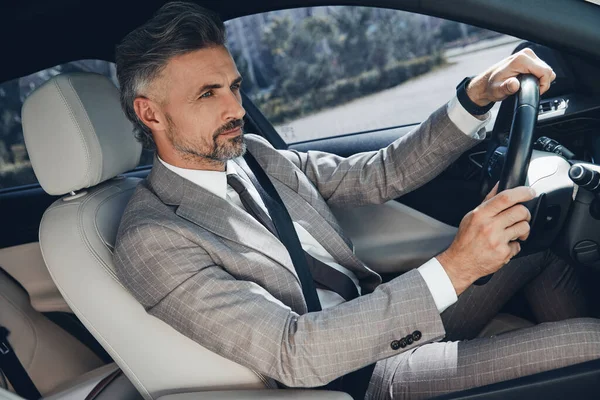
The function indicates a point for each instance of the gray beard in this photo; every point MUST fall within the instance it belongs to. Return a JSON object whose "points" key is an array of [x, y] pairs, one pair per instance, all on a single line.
{"points": [[221, 153], [234, 148]]}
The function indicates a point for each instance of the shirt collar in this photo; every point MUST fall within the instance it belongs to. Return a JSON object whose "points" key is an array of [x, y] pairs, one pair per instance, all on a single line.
{"points": [[213, 181]]}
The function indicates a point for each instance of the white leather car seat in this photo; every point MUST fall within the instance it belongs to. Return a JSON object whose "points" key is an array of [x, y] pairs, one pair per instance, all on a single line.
{"points": [[79, 142]]}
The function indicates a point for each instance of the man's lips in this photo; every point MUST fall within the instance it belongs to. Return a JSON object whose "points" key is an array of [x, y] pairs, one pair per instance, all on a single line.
{"points": [[232, 132]]}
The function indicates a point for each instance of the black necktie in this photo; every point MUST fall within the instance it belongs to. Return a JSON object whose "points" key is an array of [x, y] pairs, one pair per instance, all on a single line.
{"points": [[324, 275]]}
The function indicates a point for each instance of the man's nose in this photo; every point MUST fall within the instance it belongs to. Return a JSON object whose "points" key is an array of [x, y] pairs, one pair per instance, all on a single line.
{"points": [[234, 109]]}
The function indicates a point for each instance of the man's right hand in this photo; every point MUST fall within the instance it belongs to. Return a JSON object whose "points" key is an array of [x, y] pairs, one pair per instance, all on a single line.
{"points": [[486, 237]]}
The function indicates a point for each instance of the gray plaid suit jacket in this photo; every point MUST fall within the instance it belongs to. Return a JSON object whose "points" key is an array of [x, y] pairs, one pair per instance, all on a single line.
{"points": [[215, 274]]}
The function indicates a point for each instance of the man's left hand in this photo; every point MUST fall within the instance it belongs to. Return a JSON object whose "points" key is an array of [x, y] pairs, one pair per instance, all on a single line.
{"points": [[500, 80]]}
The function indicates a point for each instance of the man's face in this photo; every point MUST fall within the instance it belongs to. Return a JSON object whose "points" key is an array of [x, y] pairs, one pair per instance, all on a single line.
{"points": [[200, 109]]}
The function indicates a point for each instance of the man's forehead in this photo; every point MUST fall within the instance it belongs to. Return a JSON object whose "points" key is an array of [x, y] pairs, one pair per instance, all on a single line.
{"points": [[205, 66]]}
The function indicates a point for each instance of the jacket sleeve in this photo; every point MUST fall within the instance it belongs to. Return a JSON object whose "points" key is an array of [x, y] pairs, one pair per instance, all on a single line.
{"points": [[378, 176], [177, 281]]}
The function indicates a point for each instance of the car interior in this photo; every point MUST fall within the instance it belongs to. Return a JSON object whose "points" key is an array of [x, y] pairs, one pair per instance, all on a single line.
{"points": [[79, 334]]}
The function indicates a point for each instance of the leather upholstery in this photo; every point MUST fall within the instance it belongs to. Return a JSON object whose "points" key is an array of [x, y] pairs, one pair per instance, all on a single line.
{"points": [[81, 387], [77, 236], [62, 122], [6, 395], [50, 355], [26, 265]]}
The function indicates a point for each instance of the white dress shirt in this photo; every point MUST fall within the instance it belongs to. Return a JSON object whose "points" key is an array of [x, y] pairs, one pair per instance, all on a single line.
{"points": [[433, 273]]}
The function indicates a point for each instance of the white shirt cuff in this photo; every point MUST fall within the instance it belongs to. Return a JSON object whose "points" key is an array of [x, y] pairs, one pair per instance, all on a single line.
{"points": [[465, 121], [439, 284]]}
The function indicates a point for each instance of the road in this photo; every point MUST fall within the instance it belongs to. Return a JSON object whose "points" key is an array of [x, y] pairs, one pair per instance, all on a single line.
{"points": [[408, 103]]}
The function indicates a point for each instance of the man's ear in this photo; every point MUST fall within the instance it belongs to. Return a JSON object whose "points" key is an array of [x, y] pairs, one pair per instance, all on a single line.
{"points": [[149, 113]]}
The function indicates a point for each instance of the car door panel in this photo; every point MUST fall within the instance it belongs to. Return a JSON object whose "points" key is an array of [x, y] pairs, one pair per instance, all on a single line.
{"points": [[393, 238], [347, 145]]}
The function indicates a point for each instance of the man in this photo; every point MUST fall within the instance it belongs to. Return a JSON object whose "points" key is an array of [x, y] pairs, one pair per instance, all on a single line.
{"points": [[197, 247]]}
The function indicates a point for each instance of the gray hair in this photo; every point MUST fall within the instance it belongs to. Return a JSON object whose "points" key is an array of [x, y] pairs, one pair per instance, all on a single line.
{"points": [[177, 28]]}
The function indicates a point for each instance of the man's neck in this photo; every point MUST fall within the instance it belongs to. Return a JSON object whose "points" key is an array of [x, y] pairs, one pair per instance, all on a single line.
{"points": [[193, 162]]}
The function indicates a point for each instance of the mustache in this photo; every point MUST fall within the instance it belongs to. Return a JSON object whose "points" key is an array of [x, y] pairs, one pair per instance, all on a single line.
{"points": [[233, 124]]}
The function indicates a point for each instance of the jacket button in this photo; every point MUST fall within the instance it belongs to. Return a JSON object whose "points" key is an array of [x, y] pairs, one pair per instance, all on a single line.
{"points": [[403, 343], [416, 335], [395, 345], [409, 339]]}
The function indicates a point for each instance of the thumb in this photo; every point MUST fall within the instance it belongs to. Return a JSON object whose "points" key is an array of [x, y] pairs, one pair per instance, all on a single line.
{"points": [[510, 86], [492, 192]]}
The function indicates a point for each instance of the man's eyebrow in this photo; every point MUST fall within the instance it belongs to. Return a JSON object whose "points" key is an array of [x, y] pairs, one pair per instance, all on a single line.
{"points": [[206, 87], [210, 86]]}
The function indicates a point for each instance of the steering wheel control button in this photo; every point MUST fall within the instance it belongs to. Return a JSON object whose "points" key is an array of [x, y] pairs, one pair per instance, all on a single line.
{"points": [[496, 163], [552, 146], [395, 345], [585, 177], [586, 252], [576, 172], [416, 335], [409, 340]]}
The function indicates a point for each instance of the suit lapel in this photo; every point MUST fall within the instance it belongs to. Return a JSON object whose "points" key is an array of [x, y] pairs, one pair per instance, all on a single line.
{"points": [[217, 215]]}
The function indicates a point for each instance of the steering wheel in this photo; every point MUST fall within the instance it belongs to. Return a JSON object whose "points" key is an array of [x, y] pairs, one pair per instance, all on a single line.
{"points": [[520, 142]]}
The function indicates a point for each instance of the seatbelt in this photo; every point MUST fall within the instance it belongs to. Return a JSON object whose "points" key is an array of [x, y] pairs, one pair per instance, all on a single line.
{"points": [[285, 228], [354, 383], [14, 370]]}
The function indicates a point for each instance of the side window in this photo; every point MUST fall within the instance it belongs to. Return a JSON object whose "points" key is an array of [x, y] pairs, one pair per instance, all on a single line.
{"points": [[15, 167], [326, 71]]}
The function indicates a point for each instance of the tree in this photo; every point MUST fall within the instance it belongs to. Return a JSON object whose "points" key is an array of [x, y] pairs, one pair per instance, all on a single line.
{"points": [[352, 42], [301, 54]]}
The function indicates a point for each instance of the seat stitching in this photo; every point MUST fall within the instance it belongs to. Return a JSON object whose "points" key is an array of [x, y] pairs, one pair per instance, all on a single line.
{"points": [[94, 134], [121, 191], [89, 248], [74, 120]]}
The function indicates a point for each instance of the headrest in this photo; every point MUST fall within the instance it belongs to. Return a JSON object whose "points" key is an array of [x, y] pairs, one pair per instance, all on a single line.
{"points": [[76, 133]]}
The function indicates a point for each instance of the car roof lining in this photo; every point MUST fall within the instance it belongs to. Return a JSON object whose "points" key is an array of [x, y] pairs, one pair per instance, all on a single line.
{"points": [[69, 30]]}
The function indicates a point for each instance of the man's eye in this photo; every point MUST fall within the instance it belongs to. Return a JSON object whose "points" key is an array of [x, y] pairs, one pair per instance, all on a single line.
{"points": [[235, 86], [207, 94]]}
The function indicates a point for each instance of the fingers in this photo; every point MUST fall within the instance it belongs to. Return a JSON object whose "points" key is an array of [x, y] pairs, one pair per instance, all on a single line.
{"points": [[515, 248], [492, 192], [510, 86], [513, 215], [519, 231], [527, 62], [507, 199]]}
